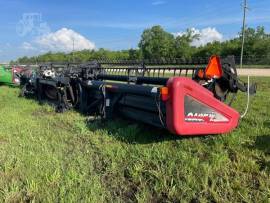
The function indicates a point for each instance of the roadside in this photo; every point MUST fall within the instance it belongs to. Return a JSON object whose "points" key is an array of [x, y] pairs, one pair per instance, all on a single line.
{"points": [[254, 72]]}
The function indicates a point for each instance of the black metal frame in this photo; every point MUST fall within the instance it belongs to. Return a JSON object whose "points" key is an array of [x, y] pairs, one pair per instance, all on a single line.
{"points": [[129, 88]]}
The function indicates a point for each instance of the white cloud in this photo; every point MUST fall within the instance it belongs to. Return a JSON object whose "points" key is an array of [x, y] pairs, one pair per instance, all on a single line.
{"points": [[206, 35], [62, 40], [157, 3], [27, 46]]}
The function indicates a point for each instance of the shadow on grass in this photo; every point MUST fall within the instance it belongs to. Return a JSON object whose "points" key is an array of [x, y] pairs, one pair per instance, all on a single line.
{"points": [[267, 124], [124, 130], [43, 102], [263, 143], [133, 132], [2, 84]]}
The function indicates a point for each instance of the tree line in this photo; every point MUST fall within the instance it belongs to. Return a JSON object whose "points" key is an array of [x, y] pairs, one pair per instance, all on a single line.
{"points": [[157, 43]]}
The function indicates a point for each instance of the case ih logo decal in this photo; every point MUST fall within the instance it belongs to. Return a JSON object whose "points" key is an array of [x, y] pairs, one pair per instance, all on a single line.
{"points": [[200, 117], [205, 117], [198, 112]]}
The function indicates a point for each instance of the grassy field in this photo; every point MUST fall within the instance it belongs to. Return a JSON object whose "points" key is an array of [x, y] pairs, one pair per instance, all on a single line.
{"points": [[49, 157]]}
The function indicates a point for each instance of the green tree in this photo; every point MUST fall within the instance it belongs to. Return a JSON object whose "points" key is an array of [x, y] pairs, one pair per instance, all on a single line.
{"points": [[214, 48], [134, 54], [183, 48], [156, 43]]}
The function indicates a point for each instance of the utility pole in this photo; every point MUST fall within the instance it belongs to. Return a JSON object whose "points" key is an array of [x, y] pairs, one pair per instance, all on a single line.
{"points": [[243, 33], [73, 50]]}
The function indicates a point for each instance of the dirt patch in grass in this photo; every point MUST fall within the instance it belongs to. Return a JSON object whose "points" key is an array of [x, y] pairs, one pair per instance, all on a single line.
{"points": [[3, 141], [125, 189], [43, 112], [62, 125], [22, 196]]}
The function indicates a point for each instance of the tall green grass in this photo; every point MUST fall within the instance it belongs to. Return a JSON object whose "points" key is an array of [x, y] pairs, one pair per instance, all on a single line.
{"points": [[49, 157]]}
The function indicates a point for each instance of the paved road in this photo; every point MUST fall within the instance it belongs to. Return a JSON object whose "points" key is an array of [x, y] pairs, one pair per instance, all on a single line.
{"points": [[254, 72], [242, 72]]}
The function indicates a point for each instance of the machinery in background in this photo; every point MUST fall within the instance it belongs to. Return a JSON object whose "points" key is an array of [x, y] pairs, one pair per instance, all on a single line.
{"points": [[10, 75]]}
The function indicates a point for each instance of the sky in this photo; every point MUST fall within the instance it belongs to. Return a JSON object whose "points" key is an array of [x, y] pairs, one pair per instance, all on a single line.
{"points": [[33, 27]]}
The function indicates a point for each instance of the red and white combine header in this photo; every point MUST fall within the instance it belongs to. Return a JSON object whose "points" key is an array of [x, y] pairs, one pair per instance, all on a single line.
{"points": [[185, 97]]}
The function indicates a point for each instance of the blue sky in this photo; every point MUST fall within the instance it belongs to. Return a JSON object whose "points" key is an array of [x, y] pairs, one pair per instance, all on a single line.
{"points": [[118, 24]]}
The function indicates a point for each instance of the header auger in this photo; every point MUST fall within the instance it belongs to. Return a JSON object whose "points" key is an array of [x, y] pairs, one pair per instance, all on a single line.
{"points": [[185, 97]]}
